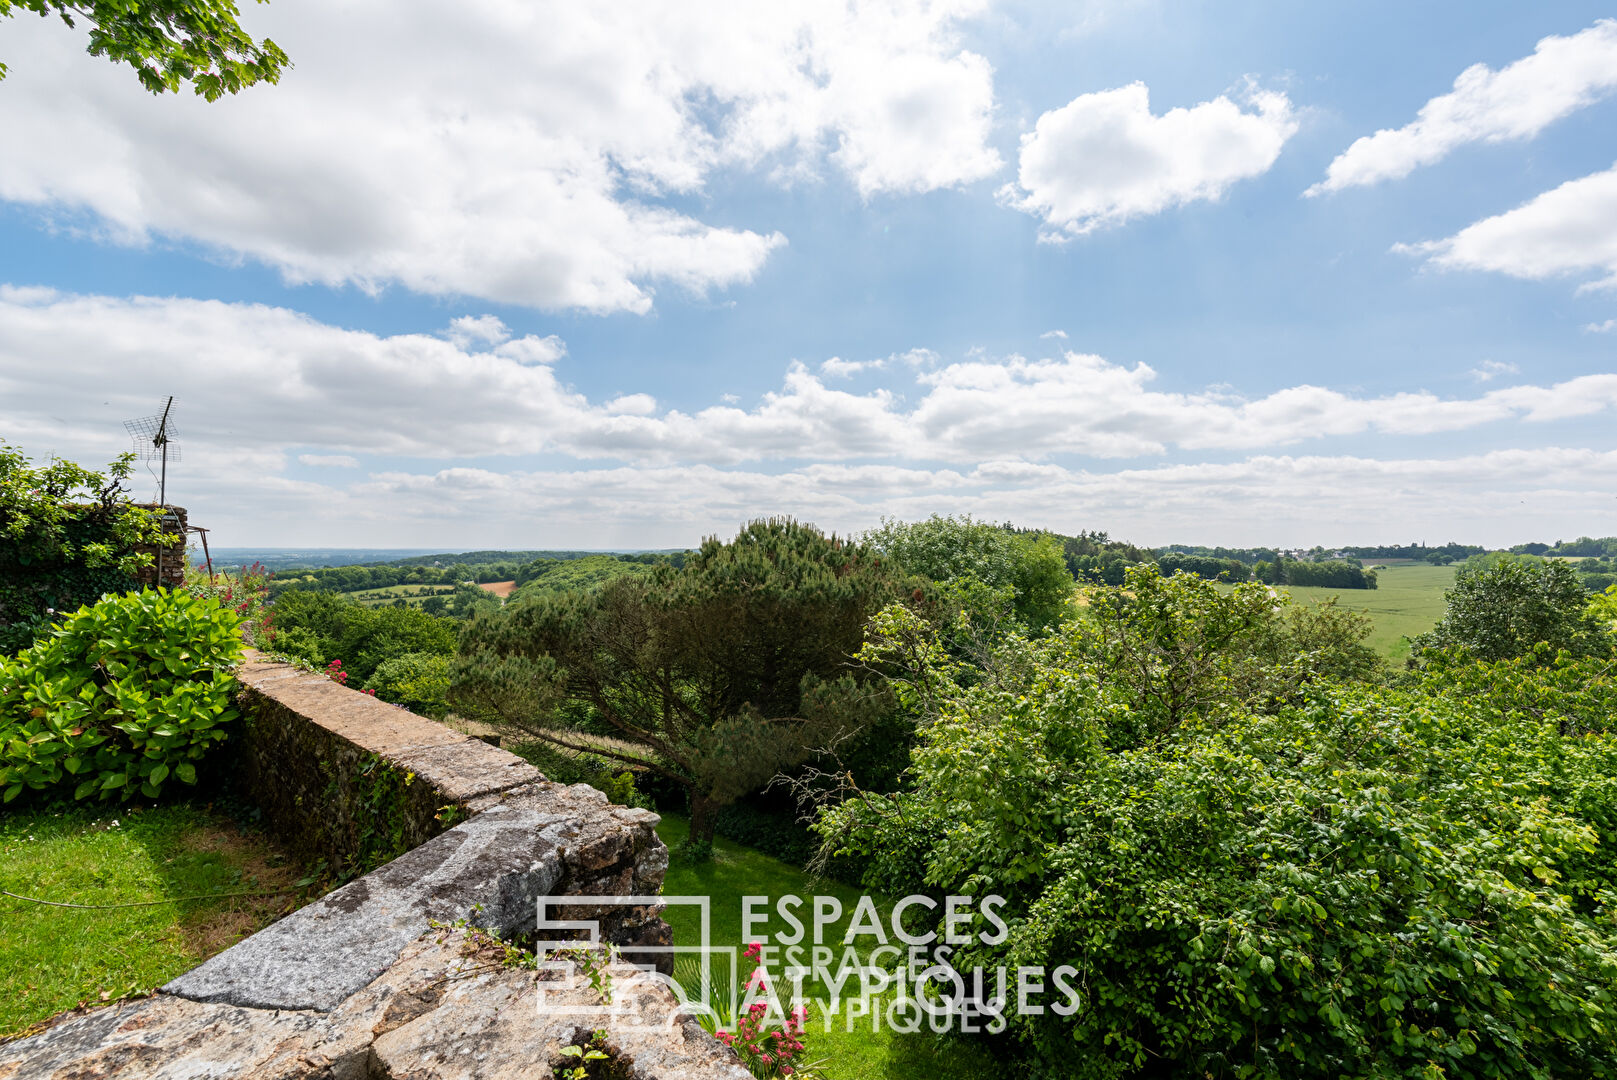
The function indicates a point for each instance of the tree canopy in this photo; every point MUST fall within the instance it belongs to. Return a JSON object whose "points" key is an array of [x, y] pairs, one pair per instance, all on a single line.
{"points": [[720, 673], [1514, 607], [1252, 863], [1029, 567], [169, 42]]}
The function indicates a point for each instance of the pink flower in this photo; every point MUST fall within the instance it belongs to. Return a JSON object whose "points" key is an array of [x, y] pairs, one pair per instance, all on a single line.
{"points": [[752, 950]]}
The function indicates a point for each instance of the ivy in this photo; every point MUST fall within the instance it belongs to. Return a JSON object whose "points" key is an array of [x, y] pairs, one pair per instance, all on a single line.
{"points": [[67, 536]]}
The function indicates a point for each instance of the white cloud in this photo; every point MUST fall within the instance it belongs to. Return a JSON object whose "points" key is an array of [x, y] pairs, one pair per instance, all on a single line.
{"points": [[1062, 334], [1503, 497], [1564, 74], [1601, 327], [632, 405], [471, 329], [329, 461], [425, 397], [504, 149], [1571, 229], [1103, 158], [1489, 370], [838, 368]]}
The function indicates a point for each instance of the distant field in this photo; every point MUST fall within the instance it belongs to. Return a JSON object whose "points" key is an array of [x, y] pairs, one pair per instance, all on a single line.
{"points": [[501, 589], [1408, 601], [411, 594]]}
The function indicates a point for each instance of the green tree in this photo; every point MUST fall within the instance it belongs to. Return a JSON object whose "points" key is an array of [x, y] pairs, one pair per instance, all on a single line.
{"points": [[169, 42], [721, 673], [955, 549], [320, 627], [1603, 609], [1510, 608], [1357, 881]]}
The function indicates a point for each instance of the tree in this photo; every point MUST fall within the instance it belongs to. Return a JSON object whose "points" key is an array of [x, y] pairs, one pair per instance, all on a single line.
{"points": [[1404, 880], [720, 674], [169, 42], [1508, 609], [953, 549]]}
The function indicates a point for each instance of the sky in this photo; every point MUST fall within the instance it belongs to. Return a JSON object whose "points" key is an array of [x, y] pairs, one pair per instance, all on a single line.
{"points": [[506, 273]]}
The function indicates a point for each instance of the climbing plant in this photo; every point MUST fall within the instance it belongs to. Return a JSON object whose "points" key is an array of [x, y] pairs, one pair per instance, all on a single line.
{"points": [[67, 536]]}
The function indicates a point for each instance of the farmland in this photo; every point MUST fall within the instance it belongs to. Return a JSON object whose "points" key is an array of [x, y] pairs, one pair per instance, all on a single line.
{"points": [[1408, 600], [410, 594]]}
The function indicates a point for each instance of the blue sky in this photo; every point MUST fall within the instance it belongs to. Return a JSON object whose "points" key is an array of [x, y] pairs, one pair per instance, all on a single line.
{"points": [[820, 260]]}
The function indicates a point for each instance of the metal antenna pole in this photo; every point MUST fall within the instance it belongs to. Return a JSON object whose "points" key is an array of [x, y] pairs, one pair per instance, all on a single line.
{"points": [[162, 440]]}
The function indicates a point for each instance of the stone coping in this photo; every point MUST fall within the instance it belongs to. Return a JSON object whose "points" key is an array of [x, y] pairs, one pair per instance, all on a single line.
{"points": [[370, 982]]}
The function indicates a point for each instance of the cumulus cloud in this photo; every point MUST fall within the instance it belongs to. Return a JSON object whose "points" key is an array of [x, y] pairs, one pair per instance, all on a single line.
{"points": [[329, 461], [1104, 158], [1568, 230], [1601, 327], [430, 398], [1489, 370], [1062, 334], [514, 151], [470, 329], [838, 368], [1499, 498], [1563, 75]]}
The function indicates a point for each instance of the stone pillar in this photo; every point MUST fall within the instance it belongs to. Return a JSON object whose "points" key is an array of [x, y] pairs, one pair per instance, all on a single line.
{"points": [[168, 561]]}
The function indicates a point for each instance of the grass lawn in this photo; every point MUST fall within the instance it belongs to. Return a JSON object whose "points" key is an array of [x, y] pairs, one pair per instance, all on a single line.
{"points": [[54, 958], [1408, 600], [737, 871]]}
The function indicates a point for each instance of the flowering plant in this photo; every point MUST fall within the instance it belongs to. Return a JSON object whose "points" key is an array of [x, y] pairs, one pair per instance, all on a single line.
{"points": [[246, 593], [768, 1053]]}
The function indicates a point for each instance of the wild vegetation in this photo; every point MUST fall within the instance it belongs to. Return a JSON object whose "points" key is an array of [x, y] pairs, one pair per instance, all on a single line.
{"points": [[1263, 855], [720, 673], [1264, 850]]}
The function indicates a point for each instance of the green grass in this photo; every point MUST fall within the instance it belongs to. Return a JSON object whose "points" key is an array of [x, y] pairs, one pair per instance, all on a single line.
{"points": [[737, 871], [53, 958], [412, 595], [1407, 601]]}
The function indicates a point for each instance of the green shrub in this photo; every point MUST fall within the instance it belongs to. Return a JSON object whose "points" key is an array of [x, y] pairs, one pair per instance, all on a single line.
{"points": [[322, 627], [1333, 880], [121, 696], [67, 535], [417, 680]]}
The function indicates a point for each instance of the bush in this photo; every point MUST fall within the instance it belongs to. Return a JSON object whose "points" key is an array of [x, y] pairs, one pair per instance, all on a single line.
{"points": [[67, 535], [608, 777], [418, 681], [1332, 880], [1509, 608], [120, 697], [320, 627]]}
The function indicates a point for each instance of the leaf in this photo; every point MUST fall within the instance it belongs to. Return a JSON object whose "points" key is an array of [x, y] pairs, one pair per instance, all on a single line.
{"points": [[186, 772]]}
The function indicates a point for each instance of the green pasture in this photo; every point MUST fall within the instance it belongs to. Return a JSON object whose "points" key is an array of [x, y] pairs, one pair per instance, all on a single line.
{"points": [[1407, 601], [411, 594]]}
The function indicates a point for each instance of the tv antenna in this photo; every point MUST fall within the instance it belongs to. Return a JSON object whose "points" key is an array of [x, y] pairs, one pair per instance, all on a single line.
{"points": [[154, 441]]}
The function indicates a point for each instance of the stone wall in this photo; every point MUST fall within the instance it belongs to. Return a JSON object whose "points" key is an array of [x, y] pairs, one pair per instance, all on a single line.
{"points": [[380, 979], [168, 562]]}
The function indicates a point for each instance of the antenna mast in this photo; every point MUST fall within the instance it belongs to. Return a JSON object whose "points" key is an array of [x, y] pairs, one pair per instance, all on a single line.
{"points": [[154, 440]]}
